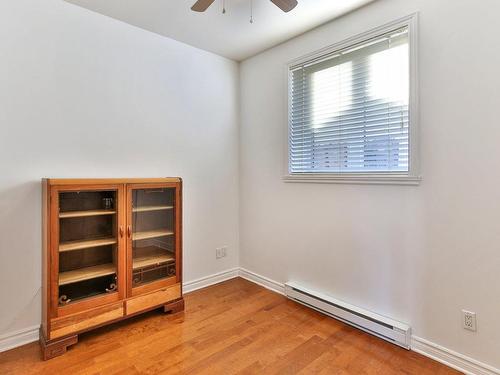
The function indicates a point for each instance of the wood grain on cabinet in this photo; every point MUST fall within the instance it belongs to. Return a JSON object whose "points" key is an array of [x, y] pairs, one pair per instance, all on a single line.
{"points": [[150, 300], [82, 321]]}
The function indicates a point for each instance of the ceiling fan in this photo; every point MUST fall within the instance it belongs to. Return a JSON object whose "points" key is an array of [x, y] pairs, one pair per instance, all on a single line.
{"points": [[284, 5]]}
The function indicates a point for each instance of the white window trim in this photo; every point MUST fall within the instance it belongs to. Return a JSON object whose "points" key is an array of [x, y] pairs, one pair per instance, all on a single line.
{"points": [[412, 177]]}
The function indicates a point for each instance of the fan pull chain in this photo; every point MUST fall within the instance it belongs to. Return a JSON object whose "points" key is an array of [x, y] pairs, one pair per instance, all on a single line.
{"points": [[251, 11], [223, 6]]}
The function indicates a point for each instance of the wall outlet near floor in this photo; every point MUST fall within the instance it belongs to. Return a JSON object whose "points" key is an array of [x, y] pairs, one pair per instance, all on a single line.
{"points": [[221, 252], [469, 320]]}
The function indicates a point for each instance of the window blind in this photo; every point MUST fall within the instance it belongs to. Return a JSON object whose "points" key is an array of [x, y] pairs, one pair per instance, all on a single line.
{"points": [[348, 111]]}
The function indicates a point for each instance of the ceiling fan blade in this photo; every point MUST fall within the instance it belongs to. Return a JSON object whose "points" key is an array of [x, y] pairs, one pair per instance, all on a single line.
{"points": [[202, 5], [285, 5]]}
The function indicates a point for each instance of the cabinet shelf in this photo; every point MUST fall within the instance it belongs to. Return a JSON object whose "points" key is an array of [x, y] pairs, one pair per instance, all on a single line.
{"points": [[72, 214], [151, 208], [86, 273], [151, 256], [85, 244], [151, 234]]}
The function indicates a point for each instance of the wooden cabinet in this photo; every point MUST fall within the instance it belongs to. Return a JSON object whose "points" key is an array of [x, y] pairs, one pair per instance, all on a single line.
{"points": [[112, 248]]}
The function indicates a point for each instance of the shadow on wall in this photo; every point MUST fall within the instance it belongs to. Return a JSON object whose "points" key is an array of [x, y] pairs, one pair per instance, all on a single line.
{"points": [[20, 254]]}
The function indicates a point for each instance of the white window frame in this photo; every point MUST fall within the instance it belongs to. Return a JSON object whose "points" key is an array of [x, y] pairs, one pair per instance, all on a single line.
{"points": [[412, 177]]}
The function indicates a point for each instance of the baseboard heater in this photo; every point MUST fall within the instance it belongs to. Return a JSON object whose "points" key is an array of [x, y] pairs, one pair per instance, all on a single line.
{"points": [[380, 326]]}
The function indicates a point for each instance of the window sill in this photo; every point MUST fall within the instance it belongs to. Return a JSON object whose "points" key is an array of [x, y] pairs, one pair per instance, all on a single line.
{"points": [[363, 179]]}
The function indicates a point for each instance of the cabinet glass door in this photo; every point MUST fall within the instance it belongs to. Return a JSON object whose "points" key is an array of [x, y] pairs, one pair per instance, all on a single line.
{"points": [[153, 234], [88, 244]]}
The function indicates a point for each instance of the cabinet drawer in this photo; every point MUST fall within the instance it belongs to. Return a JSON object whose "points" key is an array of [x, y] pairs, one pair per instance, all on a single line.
{"points": [[153, 299], [78, 322]]}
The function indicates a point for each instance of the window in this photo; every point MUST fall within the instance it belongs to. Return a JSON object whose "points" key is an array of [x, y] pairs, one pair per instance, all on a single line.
{"points": [[349, 112]]}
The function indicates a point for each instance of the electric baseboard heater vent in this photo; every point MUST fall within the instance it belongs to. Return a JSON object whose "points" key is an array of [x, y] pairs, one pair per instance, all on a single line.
{"points": [[380, 326]]}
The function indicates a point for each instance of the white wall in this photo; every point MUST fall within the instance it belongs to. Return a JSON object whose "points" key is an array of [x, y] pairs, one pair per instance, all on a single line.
{"points": [[417, 254], [83, 95]]}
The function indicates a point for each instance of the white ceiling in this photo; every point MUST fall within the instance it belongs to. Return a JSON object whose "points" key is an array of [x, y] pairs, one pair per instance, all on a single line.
{"points": [[231, 34]]}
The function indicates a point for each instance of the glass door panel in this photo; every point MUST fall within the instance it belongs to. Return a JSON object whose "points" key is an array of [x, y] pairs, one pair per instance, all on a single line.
{"points": [[88, 244], [153, 235]]}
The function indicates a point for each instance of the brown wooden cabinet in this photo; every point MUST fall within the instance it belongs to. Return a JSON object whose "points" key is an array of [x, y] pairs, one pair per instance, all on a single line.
{"points": [[112, 248]]}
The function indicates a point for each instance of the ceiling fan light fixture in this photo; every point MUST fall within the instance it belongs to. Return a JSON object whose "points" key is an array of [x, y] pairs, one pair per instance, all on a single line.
{"points": [[285, 5]]}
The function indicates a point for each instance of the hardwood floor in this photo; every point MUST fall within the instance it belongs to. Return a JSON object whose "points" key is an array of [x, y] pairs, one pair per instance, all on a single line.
{"points": [[235, 327]]}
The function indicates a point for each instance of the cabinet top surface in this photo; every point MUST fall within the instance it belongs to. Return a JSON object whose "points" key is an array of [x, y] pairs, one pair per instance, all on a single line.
{"points": [[83, 181]]}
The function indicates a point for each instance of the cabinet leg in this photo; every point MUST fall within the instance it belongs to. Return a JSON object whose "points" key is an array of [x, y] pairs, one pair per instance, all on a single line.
{"points": [[174, 307], [56, 348]]}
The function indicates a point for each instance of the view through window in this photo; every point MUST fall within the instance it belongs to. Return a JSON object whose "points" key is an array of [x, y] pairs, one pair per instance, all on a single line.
{"points": [[349, 110]]}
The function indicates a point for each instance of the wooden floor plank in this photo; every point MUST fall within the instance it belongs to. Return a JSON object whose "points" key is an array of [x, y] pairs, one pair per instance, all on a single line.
{"points": [[235, 327]]}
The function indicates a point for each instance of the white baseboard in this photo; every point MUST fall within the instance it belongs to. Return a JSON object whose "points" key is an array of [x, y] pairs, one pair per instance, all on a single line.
{"points": [[450, 358], [25, 336], [438, 353], [203, 282], [18, 338], [429, 349], [262, 281]]}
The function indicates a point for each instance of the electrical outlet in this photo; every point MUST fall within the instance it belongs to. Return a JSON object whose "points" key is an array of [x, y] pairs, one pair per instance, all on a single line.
{"points": [[469, 320], [221, 252]]}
